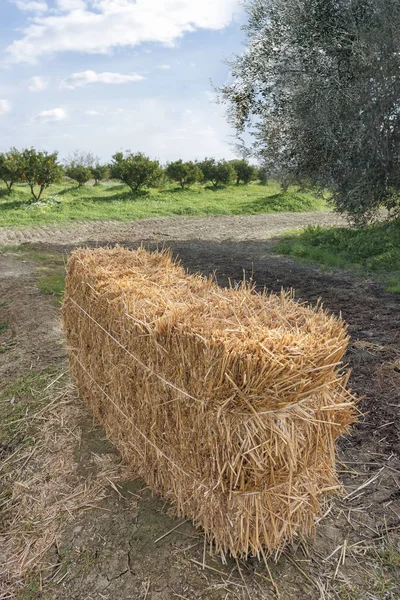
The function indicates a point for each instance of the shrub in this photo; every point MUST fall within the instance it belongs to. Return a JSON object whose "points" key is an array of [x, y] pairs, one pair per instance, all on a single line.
{"points": [[99, 172], [39, 169], [10, 167], [207, 167], [218, 173], [263, 175], [243, 170], [78, 173], [135, 170], [184, 173]]}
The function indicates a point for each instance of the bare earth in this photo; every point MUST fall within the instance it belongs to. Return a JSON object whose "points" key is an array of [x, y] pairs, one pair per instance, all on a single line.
{"points": [[254, 227], [126, 544]]}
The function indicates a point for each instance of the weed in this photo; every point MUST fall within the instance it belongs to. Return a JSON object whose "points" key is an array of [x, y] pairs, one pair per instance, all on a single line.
{"points": [[389, 556], [348, 592], [5, 347], [32, 589], [3, 327]]}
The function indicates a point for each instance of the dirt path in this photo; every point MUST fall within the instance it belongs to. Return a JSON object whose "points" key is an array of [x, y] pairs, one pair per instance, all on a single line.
{"points": [[129, 545], [254, 227]]}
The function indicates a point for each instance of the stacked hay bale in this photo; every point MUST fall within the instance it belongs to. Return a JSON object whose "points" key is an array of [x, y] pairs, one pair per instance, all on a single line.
{"points": [[226, 402]]}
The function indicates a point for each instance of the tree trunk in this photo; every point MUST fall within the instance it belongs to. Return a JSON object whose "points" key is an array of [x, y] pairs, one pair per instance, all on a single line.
{"points": [[40, 193], [36, 198]]}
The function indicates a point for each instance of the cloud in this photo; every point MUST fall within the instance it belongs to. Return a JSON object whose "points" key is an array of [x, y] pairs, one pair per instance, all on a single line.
{"points": [[55, 114], [5, 107], [38, 84], [69, 5], [93, 113], [90, 77], [165, 129], [164, 67], [107, 24], [31, 5]]}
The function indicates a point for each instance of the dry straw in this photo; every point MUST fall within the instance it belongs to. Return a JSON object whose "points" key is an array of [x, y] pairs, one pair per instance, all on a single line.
{"points": [[226, 402]]}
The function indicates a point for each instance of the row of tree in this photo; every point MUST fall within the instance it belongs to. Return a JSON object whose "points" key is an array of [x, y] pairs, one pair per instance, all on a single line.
{"points": [[41, 169]]}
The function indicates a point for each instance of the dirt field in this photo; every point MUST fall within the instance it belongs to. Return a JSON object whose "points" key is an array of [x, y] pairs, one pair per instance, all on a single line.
{"points": [[254, 227], [76, 523]]}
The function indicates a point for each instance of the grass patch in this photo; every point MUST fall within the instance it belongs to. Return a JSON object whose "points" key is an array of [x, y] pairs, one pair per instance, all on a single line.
{"points": [[64, 203], [393, 285], [390, 556], [29, 252], [18, 399], [373, 249], [5, 347], [3, 327], [51, 265], [52, 285]]}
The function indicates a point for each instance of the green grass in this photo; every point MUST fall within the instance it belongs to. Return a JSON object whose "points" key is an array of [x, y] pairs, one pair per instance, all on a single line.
{"points": [[51, 266], [373, 249], [17, 400], [3, 327], [53, 285], [63, 203]]}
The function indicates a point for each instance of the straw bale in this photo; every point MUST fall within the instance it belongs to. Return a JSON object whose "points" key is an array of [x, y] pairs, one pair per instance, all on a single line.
{"points": [[227, 402]]}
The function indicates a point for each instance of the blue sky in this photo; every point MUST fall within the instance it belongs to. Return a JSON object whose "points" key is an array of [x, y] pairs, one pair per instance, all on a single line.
{"points": [[106, 75]]}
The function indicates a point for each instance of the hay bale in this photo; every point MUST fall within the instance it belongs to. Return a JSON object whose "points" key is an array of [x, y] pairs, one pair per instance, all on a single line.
{"points": [[226, 402]]}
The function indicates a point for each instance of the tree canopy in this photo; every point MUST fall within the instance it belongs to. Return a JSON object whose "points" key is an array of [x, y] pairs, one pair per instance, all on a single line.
{"points": [[319, 88]]}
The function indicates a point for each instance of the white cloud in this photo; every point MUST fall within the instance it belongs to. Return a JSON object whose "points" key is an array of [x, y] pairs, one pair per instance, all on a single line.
{"points": [[55, 114], [167, 130], [89, 77], [108, 24], [69, 5], [164, 67], [5, 107], [31, 5], [93, 113], [38, 84]]}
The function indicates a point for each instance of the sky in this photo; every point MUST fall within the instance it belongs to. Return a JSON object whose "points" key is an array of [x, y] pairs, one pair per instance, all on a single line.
{"points": [[110, 75]]}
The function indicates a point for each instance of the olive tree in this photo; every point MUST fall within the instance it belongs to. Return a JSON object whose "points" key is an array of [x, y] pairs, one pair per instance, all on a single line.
{"points": [[318, 86]]}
